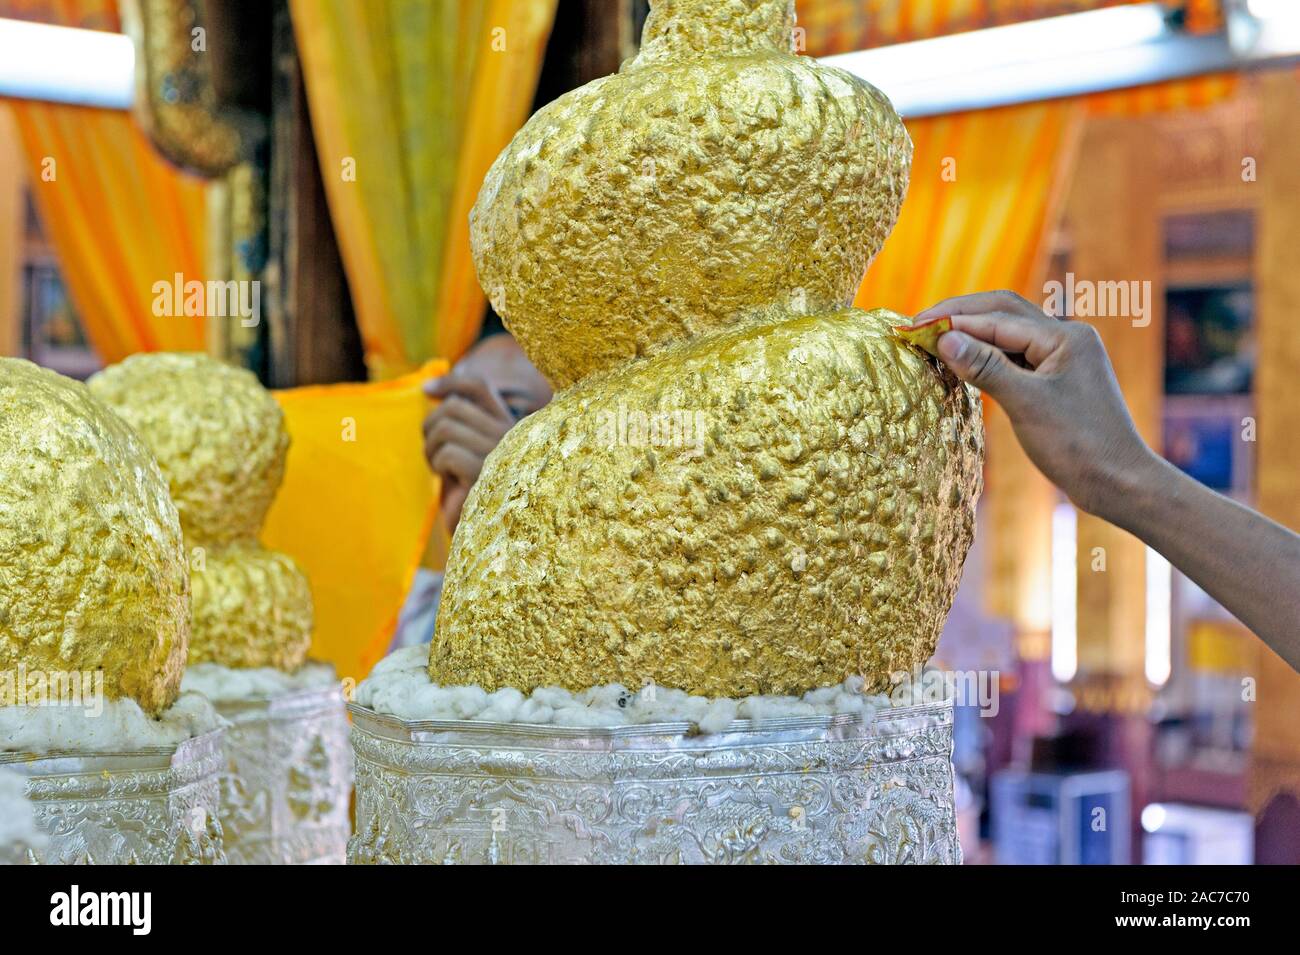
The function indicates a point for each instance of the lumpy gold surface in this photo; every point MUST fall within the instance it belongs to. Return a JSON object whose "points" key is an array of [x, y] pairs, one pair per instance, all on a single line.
{"points": [[717, 174], [743, 487], [799, 513], [252, 608], [217, 433], [220, 440], [92, 566]]}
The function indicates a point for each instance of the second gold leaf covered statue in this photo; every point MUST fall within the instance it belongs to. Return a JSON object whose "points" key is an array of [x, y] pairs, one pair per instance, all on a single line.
{"points": [[220, 440]]}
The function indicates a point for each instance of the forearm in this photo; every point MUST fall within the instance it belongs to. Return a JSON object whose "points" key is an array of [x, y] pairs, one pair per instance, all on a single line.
{"points": [[1248, 563]]}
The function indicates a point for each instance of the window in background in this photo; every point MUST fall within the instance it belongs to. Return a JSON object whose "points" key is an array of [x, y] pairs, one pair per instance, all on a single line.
{"points": [[1210, 348]]}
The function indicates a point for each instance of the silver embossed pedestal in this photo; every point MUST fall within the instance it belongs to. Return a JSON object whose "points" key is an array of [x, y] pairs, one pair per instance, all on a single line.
{"points": [[153, 806], [288, 779], [800, 790]]}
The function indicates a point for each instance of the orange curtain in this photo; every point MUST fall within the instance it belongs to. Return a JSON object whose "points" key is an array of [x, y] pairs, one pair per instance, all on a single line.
{"points": [[410, 102], [121, 220], [984, 192], [1195, 93], [504, 83], [119, 217]]}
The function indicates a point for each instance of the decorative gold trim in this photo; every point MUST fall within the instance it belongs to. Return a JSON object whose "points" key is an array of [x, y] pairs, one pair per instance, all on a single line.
{"points": [[175, 102]]}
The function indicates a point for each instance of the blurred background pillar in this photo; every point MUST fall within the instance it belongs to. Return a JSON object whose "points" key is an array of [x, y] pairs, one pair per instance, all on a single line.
{"points": [[1018, 503], [1116, 227], [13, 216], [1275, 772]]}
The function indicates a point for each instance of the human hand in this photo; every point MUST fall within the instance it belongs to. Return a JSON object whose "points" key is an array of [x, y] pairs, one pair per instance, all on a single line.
{"points": [[1056, 384], [460, 432]]}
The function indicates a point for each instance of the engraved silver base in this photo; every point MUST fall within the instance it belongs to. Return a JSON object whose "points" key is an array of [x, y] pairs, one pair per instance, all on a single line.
{"points": [[288, 779], [155, 806], [803, 790]]}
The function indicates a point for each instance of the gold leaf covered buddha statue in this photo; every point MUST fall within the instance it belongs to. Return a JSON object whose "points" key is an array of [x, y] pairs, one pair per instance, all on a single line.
{"points": [[93, 574], [220, 440], [744, 486]]}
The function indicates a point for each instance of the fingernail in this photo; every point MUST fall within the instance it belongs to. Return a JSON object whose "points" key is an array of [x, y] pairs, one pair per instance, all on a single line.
{"points": [[431, 385], [952, 345]]}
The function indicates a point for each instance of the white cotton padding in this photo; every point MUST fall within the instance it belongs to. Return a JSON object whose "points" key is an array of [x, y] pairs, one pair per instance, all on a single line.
{"points": [[399, 686], [105, 726], [222, 684]]}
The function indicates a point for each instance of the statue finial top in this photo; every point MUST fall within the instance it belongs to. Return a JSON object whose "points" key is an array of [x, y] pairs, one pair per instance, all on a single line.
{"points": [[715, 177], [680, 29]]}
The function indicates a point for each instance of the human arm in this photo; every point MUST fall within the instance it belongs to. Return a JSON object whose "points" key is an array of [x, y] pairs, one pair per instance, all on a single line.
{"points": [[1067, 411]]}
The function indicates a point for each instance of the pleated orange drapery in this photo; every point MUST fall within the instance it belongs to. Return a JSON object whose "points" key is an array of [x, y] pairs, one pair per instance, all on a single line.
{"points": [[121, 220], [410, 101]]}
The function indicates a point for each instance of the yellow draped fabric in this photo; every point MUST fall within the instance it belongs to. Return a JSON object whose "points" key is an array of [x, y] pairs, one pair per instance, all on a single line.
{"points": [[120, 218], [392, 86], [356, 508]]}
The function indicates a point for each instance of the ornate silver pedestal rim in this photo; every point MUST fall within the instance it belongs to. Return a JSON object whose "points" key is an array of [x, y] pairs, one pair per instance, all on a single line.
{"points": [[153, 805], [287, 779], [189, 759], [799, 789], [901, 719]]}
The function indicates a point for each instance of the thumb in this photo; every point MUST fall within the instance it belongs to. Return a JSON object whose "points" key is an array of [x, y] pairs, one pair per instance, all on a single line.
{"points": [[454, 494], [985, 366]]}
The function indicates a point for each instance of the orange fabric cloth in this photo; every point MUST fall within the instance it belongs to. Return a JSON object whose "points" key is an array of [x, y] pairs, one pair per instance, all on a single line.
{"points": [[1195, 93], [356, 508], [83, 14], [120, 219]]}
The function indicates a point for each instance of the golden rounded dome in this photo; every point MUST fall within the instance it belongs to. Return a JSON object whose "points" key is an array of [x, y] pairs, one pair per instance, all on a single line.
{"points": [[716, 175], [252, 608], [768, 509], [218, 434], [220, 439], [92, 565]]}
